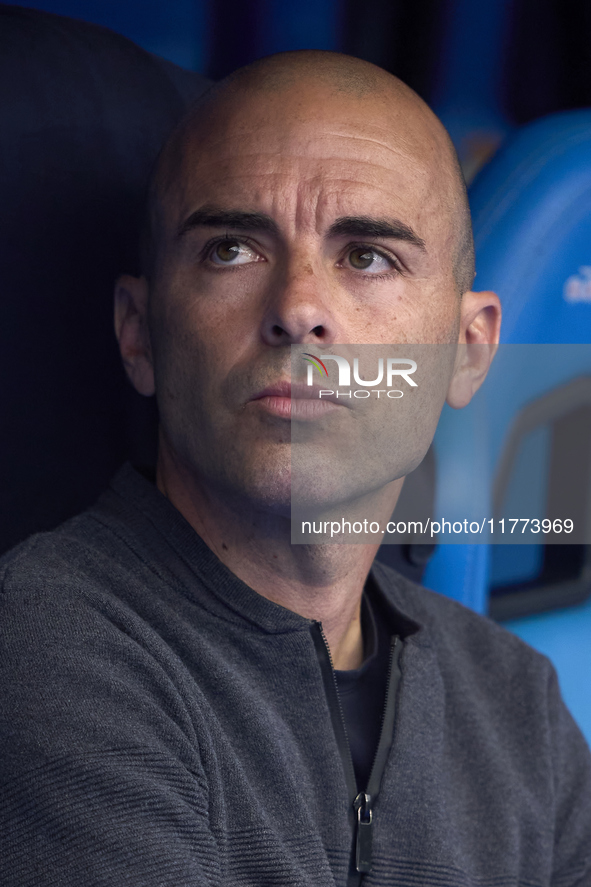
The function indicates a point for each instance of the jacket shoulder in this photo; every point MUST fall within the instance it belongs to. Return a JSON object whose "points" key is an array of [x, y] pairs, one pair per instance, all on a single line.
{"points": [[464, 639]]}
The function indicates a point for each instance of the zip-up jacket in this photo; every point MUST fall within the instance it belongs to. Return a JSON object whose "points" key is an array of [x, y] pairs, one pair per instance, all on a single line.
{"points": [[163, 725]]}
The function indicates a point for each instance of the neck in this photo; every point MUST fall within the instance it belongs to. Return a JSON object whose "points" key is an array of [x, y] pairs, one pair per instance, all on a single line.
{"points": [[322, 582]]}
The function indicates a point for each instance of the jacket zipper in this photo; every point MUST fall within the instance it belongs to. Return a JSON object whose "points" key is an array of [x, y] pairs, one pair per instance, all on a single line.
{"points": [[365, 800], [360, 802], [335, 707]]}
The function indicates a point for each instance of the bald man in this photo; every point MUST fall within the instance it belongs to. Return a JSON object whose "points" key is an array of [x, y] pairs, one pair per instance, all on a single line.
{"points": [[189, 697]]}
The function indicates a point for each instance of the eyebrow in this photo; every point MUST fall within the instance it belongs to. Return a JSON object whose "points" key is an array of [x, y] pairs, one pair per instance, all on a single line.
{"points": [[365, 226], [237, 220], [351, 226]]}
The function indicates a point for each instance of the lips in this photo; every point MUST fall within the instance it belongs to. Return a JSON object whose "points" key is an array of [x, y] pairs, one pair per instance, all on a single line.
{"points": [[296, 401], [295, 391]]}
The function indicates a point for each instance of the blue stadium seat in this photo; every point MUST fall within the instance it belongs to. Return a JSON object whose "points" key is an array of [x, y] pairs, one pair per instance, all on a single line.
{"points": [[532, 228], [531, 209]]}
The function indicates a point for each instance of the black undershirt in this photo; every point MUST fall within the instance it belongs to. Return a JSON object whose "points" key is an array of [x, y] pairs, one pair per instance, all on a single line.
{"points": [[363, 690]]}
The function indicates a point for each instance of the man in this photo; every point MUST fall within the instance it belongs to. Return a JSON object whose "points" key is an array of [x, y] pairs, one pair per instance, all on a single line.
{"points": [[188, 698]]}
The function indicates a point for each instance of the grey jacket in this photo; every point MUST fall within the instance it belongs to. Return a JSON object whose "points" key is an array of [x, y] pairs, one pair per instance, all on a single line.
{"points": [[163, 725]]}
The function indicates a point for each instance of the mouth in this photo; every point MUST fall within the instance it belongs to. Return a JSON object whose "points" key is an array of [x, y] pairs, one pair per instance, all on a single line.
{"points": [[296, 401]]}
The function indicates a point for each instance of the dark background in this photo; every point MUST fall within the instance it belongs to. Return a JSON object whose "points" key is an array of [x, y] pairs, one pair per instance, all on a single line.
{"points": [[484, 65]]}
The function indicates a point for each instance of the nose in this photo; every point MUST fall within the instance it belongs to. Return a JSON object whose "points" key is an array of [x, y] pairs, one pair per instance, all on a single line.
{"points": [[301, 307]]}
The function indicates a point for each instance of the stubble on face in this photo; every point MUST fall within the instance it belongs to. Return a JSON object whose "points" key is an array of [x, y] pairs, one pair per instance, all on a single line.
{"points": [[305, 147]]}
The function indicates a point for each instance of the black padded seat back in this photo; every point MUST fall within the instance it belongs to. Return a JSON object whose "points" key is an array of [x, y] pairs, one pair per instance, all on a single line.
{"points": [[83, 114]]}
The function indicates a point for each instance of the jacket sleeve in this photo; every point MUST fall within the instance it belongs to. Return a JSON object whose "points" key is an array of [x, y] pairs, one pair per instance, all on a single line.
{"points": [[101, 782], [572, 795]]}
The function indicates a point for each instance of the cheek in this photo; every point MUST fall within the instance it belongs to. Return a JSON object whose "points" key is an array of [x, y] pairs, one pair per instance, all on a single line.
{"points": [[441, 323], [178, 345], [422, 312], [198, 337], [222, 304]]}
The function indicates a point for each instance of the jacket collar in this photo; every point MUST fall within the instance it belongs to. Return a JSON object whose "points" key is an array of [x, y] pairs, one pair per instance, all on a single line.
{"points": [[162, 537]]}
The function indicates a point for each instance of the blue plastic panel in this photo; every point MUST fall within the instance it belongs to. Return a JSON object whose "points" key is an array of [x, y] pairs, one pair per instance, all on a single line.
{"points": [[565, 637], [532, 230], [531, 209]]}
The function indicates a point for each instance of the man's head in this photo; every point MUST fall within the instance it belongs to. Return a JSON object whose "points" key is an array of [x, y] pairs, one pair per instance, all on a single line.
{"points": [[311, 199], [308, 79]]}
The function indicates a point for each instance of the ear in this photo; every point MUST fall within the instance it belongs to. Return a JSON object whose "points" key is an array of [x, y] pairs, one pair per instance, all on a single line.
{"points": [[480, 327], [131, 329]]}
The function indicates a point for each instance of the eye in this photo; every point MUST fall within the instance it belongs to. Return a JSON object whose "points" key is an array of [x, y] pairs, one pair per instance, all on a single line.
{"points": [[364, 258], [232, 252]]}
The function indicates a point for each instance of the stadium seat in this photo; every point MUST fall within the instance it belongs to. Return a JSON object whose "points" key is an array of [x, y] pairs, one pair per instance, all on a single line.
{"points": [[84, 115], [532, 229], [532, 223]]}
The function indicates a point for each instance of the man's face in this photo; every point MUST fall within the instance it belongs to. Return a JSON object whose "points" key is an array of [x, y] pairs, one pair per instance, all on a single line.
{"points": [[293, 220]]}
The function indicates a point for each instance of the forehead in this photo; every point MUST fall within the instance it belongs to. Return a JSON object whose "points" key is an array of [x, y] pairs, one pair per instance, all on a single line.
{"points": [[312, 160]]}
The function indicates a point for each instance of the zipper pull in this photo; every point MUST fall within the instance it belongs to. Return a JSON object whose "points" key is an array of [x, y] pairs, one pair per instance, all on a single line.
{"points": [[362, 805]]}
